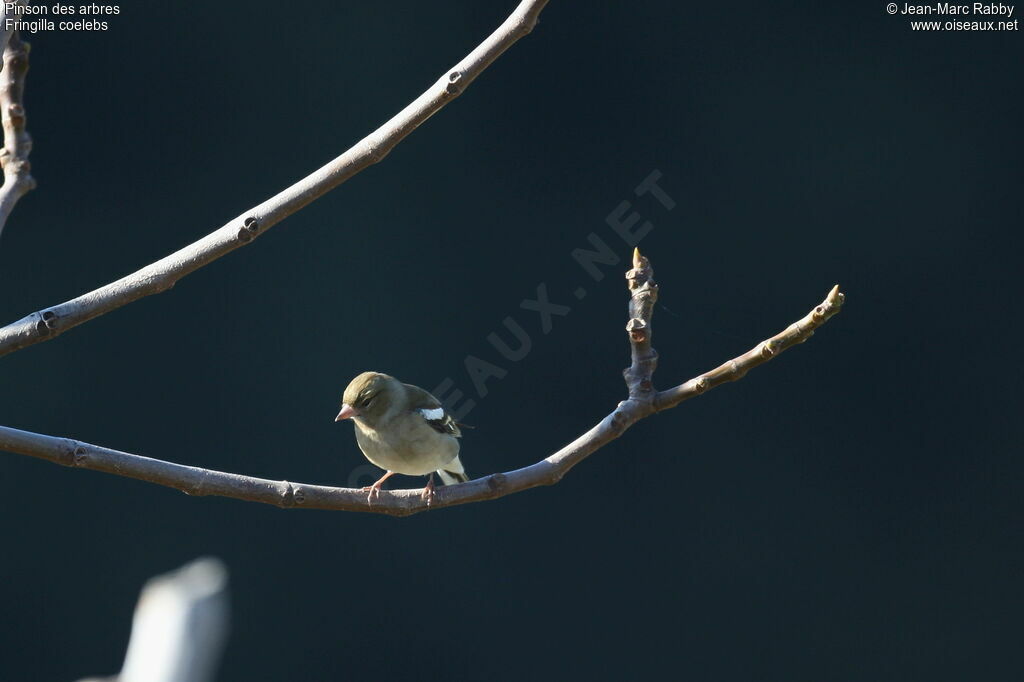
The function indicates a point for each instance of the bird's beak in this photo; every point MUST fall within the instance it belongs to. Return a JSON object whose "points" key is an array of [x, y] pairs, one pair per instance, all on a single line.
{"points": [[347, 412]]}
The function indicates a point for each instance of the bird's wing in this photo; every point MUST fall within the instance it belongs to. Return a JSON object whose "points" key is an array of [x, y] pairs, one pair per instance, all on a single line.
{"points": [[431, 410]]}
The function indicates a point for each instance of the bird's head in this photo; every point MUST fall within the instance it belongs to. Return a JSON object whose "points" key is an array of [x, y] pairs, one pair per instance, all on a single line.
{"points": [[368, 397]]}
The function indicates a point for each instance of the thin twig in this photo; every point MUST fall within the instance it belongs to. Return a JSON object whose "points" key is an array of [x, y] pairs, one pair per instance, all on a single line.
{"points": [[15, 11], [736, 369], [18, 180], [643, 401], [161, 275]]}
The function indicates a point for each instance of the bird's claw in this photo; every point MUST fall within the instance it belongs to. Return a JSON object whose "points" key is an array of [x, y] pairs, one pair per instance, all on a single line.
{"points": [[428, 491], [373, 492]]}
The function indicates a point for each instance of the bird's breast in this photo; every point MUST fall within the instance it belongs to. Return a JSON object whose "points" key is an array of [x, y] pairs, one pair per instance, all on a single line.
{"points": [[415, 450]]}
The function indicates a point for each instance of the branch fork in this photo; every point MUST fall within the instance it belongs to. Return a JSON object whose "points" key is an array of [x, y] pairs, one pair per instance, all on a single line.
{"points": [[643, 401]]}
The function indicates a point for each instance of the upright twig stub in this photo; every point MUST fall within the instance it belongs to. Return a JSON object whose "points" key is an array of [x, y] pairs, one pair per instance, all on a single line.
{"points": [[644, 359], [18, 179], [643, 401]]}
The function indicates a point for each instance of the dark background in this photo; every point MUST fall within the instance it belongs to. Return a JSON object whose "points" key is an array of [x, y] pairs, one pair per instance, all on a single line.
{"points": [[850, 511]]}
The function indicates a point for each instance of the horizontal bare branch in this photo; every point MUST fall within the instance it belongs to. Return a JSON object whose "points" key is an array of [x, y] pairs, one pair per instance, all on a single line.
{"points": [[643, 402], [161, 275]]}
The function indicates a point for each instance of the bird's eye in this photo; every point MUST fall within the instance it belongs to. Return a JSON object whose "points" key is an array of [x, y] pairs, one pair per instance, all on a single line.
{"points": [[365, 402]]}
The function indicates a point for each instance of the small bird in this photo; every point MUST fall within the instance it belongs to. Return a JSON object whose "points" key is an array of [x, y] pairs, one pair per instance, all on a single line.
{"points": [[402, 429]]}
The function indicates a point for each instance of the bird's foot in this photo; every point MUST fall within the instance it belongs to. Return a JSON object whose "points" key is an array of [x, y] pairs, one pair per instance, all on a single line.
{"points": [[428, 491], [373, 491]]}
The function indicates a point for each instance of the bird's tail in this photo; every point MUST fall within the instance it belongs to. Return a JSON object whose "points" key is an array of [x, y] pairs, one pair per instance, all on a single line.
{"points": [[453, 473], [452, 477]]}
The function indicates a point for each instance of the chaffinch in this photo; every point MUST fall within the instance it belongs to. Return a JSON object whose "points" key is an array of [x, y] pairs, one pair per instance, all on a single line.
{"points": [[402, 429]]}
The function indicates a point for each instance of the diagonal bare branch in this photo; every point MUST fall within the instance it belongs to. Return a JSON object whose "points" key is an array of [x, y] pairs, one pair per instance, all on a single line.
{"points": [[643, 401], [161, 275], [736, 369], [18, 180]]}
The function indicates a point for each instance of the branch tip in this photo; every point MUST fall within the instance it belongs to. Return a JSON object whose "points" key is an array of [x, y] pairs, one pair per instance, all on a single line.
{"points": [[643, 401]]}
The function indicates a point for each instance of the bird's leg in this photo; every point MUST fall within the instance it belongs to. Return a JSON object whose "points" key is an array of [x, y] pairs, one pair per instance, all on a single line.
{"points": [[374, 490], [428, 490]]}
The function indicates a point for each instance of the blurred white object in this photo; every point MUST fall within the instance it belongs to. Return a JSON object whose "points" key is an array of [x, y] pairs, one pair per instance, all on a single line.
{"points": [[180, 626]]}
